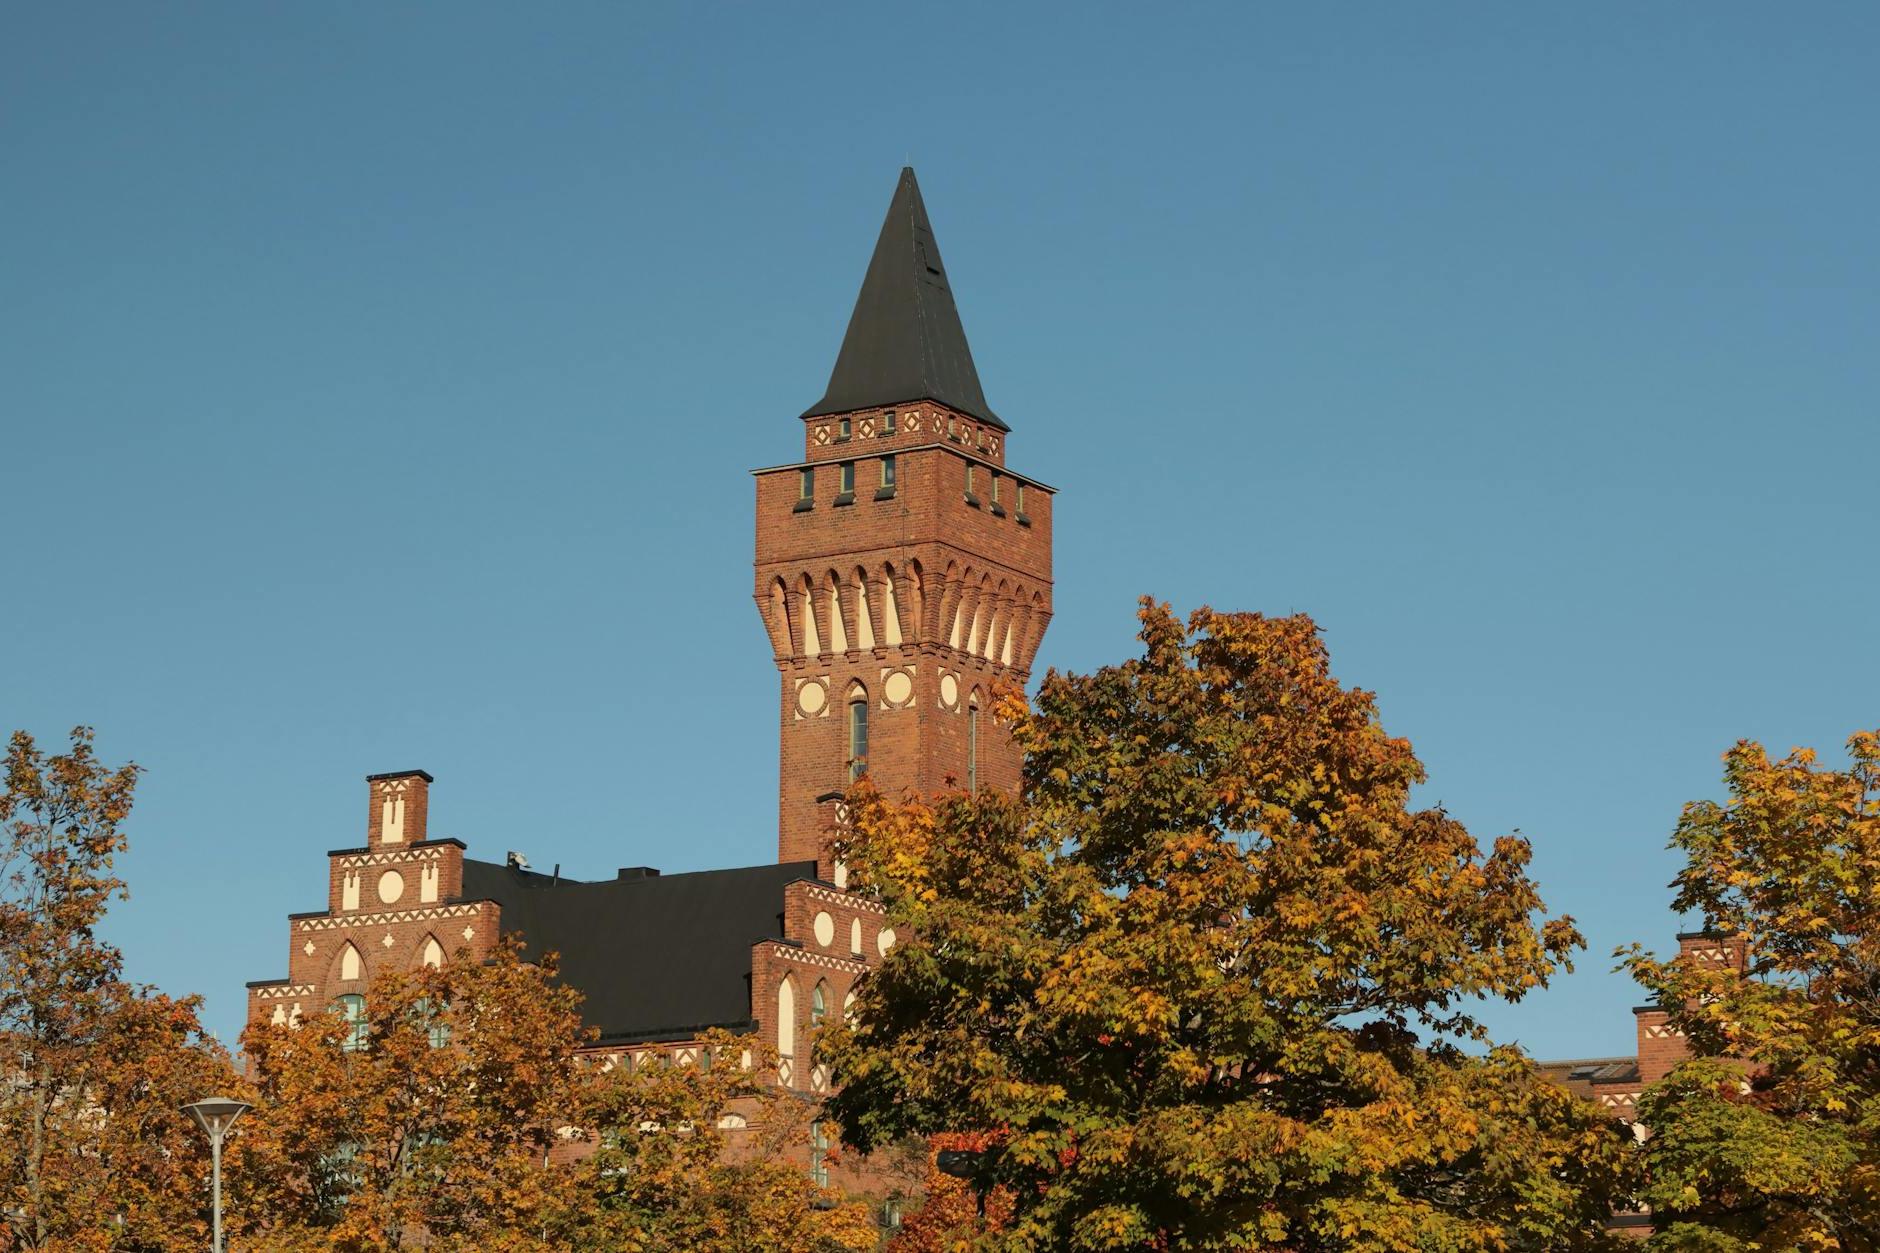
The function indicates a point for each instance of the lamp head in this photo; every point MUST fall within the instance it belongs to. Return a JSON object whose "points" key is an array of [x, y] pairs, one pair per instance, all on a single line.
{"points": [[216, 1115], [959, 1163]]}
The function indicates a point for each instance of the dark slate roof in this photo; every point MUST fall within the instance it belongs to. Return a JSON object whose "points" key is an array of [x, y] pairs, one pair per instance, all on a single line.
{"points": [[656, 956], [1581, 1077], [905, 341]]}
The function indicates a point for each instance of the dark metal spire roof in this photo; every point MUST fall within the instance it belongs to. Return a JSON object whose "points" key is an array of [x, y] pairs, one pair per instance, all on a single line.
{"points": [[905, 341]]}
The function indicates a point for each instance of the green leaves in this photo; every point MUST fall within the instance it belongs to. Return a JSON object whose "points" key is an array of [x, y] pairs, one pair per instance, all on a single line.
{"points": [[1179, 982], [93, 1153], [1767, 1139]]}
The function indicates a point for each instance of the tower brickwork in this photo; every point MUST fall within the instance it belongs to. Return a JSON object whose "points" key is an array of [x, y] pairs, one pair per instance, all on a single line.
{"points": [[903, 571]]}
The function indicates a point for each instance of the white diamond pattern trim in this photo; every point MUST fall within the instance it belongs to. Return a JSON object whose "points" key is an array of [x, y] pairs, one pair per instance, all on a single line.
{"points": [[402, 915]]}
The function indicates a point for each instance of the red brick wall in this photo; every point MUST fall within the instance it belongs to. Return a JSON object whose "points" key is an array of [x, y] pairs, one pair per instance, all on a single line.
{"points": [[923, 422], [954, 564]]}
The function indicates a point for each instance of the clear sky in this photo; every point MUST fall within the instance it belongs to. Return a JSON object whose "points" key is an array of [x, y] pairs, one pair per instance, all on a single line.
{"points": [[378, 386]]}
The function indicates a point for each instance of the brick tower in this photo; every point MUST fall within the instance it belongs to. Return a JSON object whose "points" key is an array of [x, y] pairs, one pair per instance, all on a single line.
{"points": [[902, 570]]}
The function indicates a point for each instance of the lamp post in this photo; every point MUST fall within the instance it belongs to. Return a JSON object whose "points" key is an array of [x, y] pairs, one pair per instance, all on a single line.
{"points": [[215, 1116]]}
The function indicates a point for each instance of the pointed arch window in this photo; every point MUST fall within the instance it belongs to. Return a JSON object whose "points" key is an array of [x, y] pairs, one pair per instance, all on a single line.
{"points": [[858, 733], [972, 746], [819, 1003]]}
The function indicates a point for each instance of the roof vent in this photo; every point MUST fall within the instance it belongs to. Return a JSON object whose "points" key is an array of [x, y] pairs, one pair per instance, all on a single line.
{"points": [[637, 872]]}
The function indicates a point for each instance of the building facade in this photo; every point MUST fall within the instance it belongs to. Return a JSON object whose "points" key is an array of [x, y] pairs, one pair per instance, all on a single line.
{"points": [[903, 574]]}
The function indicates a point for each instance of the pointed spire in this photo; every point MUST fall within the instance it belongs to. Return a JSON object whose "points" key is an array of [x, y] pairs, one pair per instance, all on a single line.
{"points": [[905, 341]]}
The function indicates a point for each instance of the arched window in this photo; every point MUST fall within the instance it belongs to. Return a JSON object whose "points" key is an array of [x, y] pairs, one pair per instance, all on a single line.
{"points": [[819, 1154], [858, 732], [818, 1003], [352, 1008], [972, 746]]}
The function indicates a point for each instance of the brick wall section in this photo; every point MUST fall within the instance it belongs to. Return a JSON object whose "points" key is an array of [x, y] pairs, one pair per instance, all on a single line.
{"points": [[385, 900], [1660, 1045], [971, 580]]}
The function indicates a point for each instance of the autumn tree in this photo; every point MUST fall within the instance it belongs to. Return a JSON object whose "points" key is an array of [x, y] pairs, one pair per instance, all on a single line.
{"points": [[93, 1151], [1769, 1138], [427, 1123], [952, 1210], [1210, 982], [666, 1177]]}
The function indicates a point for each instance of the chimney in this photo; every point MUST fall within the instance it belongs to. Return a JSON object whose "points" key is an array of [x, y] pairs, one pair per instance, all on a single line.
{"points": [[400, 802], [636, 872]]}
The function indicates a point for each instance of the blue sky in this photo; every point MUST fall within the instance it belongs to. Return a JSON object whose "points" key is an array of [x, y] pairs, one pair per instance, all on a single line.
{"points": [[378, 386]]}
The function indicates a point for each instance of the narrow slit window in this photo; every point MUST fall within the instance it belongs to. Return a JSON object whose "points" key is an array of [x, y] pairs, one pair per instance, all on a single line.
{"points": [[887, 471], [848, 477], [972, 748], [806, 483], [842, 429], [887, 422], [858, 737], [818, 1154]]}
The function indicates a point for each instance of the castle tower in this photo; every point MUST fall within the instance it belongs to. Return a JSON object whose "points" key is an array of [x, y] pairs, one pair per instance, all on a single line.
{"points": [[903, 571]]}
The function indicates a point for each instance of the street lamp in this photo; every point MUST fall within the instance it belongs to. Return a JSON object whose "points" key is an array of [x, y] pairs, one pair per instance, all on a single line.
{"points": [[969, 1165], [215, 1116]]}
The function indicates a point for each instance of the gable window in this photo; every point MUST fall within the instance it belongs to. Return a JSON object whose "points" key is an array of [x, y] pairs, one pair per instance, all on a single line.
{"points": [[887, 422], [842, 430], [352, 1009], [858, 735]]}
